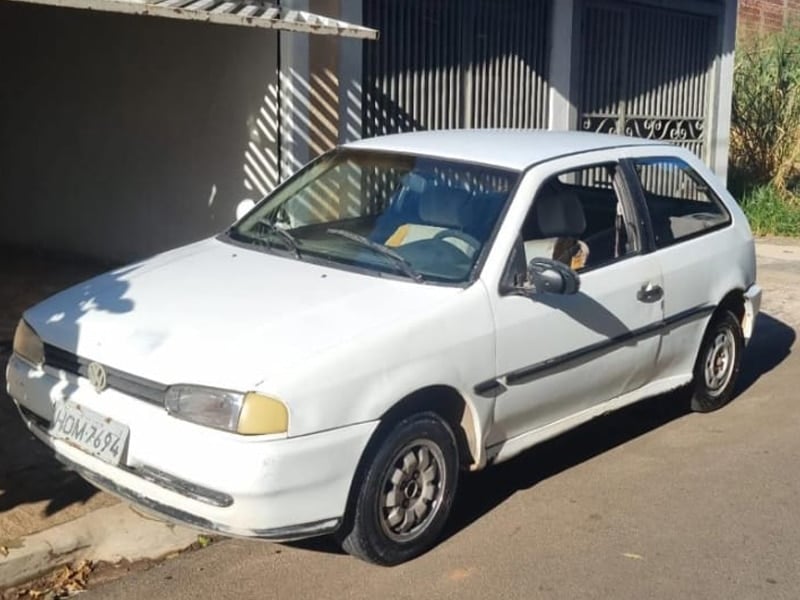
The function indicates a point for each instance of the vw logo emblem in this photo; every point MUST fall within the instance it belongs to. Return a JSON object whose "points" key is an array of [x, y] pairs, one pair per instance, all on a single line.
{"points": [[97, 377]]}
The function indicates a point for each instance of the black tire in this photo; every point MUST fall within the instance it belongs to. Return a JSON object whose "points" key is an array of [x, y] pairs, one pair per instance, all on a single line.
{"points": [[392, 519], [718, 362]]}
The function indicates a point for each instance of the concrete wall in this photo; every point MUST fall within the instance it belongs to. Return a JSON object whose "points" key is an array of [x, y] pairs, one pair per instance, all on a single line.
{"points": [[124, 135]]}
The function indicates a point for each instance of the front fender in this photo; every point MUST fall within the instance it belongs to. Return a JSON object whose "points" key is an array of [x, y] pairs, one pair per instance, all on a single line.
{"points": [[362, 380]]}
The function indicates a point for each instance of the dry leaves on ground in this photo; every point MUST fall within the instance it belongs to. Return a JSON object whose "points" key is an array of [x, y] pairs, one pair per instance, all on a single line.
{"points": [[62, 583]]}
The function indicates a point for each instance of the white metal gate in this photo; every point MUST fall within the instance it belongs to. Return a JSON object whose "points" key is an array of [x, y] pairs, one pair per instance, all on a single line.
{"points": [[442, 64], [647, 72]]}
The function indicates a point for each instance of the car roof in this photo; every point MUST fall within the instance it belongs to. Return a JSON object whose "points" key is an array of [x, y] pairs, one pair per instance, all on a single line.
{"points": [[506, 148]]}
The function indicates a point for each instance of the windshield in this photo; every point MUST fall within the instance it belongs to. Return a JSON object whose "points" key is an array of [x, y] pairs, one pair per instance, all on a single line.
{"points": [[422, 218]]}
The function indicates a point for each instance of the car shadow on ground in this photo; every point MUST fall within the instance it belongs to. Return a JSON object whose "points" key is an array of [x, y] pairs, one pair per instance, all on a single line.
{"points": [[481, 492], [772, 342], [46, 482]]}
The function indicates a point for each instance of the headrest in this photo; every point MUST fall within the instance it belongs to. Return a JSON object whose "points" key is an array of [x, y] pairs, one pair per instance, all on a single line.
{"points": [[415, 182], [444, 207], [559, 215]]}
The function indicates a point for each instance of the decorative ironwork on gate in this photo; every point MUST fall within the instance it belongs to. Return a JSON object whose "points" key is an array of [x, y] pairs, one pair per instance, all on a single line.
{"points": [[646, 72], [672, 129]]}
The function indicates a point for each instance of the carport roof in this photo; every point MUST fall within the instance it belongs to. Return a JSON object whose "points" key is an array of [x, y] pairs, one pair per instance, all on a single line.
{"points": [[247, 13]]}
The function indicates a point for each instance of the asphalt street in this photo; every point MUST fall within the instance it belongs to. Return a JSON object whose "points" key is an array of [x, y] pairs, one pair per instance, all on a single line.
{"points": [[649, 502]]}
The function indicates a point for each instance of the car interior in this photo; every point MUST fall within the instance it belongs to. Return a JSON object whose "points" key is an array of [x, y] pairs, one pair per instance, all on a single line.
{"points": [[440, 225], [576, 219], [674, 219], [578, 225]]}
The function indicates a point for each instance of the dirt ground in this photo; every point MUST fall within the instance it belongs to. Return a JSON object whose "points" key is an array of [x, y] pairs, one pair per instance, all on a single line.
{"points": [[35, 491]]}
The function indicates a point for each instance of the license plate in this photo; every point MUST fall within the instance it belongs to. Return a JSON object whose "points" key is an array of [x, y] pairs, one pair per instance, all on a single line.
{"points": [[89, 431]]}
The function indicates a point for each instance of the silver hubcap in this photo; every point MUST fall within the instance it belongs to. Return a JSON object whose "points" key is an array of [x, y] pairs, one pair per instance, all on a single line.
{"points": [[719, 362], [412, 490]]}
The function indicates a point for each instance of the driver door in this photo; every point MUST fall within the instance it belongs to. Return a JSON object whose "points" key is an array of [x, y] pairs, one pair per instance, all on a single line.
{"points": [[560, 355]]}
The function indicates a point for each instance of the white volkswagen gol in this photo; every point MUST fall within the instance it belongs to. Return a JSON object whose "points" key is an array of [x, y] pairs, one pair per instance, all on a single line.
{"points": [[403, 308]]}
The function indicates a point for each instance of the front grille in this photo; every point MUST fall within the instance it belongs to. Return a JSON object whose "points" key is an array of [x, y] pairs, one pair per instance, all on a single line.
{"points": [[138, 387], [62, 360]]}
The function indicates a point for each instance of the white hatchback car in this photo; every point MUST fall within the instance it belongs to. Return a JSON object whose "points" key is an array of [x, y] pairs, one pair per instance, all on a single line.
{"points": [[403, 308]]}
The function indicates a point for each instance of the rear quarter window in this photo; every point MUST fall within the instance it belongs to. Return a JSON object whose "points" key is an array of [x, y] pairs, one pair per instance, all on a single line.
{"points": [[682, 205]]}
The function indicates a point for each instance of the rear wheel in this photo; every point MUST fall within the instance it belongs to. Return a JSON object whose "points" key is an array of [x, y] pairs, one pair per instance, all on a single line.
{"points": [[717, 364], [406, 492]]}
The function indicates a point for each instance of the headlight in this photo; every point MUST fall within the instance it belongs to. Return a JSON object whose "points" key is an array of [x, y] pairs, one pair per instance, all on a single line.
{"points": [[262, 414], [247, 414], [28, 345]]}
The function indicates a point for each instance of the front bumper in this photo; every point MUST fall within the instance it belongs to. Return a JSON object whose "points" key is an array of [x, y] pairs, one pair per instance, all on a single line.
{"points": [[259, 487]]}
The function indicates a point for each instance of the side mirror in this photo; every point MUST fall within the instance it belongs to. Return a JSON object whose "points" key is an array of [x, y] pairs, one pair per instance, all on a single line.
{"points": [[552, 277], [244, 207]]}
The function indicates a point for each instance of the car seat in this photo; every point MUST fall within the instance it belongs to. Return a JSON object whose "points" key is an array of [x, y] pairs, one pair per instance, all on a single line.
{"points": [[553, 229], [439, 208]]}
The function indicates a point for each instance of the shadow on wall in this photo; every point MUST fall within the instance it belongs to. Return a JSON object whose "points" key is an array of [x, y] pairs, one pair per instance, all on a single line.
{"points": [[302, 117], [261, 158], [133, 140]]}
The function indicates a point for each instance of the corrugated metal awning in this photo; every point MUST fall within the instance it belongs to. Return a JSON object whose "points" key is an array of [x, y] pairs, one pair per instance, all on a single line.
{"points": [[247, 13]]}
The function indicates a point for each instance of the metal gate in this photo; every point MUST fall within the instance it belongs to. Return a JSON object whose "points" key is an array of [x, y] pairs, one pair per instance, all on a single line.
{"points": [[441, 64], [646, 72]]}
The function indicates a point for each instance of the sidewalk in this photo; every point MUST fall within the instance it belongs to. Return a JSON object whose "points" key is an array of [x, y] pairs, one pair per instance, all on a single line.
{"points": [[109, 535]]}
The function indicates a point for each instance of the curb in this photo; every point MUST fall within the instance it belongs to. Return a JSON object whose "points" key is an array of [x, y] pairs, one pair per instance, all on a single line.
{"points": [[107, 534]]}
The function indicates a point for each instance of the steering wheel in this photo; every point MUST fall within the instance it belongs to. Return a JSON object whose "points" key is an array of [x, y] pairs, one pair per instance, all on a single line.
{"points": [[472, 242]]}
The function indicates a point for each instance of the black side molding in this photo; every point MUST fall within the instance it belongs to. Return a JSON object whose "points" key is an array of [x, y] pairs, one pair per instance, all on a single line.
{"points": [[532, 372]]}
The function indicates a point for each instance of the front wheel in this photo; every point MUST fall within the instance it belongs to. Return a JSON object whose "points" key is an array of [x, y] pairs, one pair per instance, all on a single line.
{"points": [[406, 492], [717, 365]]}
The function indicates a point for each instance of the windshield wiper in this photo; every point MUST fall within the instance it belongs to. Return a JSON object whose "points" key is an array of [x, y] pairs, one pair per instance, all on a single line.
{"points": [[380, 249], [288, 238]]}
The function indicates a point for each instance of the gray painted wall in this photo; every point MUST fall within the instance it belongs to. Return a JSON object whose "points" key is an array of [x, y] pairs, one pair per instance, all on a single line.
{"points": [[121, 136]]}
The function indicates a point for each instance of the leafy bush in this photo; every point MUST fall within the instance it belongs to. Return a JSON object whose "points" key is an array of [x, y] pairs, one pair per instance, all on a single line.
{"points": [[765, 128], [771, 212]]}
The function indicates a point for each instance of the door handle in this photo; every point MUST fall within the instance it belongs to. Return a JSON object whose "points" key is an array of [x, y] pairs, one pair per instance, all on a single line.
{"points": [[650, 292]]}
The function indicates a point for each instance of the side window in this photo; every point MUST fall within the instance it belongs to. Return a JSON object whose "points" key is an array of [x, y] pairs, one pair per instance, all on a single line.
{"points": [[681, 204], [576, 218]]}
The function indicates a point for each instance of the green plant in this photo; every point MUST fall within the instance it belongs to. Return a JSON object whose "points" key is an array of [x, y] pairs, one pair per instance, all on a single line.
{"points": [[772, 212], [765, 127]]}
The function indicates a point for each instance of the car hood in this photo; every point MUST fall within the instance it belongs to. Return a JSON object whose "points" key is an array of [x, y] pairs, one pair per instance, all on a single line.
{"points": [[219, 315]]}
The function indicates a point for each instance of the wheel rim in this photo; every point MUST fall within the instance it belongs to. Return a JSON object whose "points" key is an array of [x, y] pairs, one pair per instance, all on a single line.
{"points": [[719, 363], [412, 490]]}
